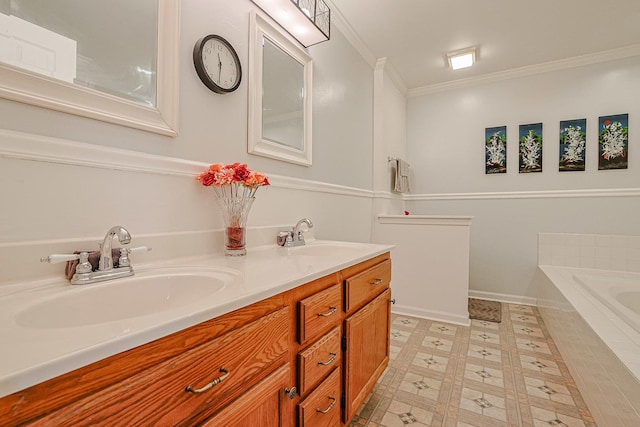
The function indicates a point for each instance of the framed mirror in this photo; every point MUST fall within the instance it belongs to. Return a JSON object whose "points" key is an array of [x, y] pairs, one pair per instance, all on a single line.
{"points": [[280, 84], [114, 61]]}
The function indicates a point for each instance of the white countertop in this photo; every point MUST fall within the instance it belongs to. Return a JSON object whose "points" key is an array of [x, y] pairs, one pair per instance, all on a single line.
{"points": [[31, 354]]}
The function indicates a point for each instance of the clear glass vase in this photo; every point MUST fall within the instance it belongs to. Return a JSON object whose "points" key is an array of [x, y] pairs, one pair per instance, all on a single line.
{"points": [[235, 211]]}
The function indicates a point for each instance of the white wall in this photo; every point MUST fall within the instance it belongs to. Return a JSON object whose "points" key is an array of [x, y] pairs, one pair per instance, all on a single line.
{"points": [[67, 179], [445, 143]]}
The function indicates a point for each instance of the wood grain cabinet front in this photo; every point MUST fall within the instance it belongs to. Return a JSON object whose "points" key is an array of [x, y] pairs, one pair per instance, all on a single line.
{"points": [[362, 287], [318, 360], [322, 407], [367, 350], [188, 388], [264, 405], [319, 312]]}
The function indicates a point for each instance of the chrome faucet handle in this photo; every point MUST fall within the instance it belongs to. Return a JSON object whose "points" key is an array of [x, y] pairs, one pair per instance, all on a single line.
{"points": [[124, 260], [56, 258]]}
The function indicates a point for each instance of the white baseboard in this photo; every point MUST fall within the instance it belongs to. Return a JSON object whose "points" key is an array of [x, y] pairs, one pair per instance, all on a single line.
{"points": [[506, 298], [431, 315]]}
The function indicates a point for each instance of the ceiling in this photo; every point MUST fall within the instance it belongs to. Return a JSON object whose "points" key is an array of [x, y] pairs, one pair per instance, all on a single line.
{"points": [[415, 35]]}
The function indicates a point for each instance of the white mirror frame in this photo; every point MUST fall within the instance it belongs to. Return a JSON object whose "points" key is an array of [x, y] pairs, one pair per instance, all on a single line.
{"points": [[261, 28], [23, 86]]}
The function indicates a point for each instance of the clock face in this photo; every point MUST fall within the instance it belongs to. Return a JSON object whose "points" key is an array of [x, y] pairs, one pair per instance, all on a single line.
{"points": [[217, 64]]}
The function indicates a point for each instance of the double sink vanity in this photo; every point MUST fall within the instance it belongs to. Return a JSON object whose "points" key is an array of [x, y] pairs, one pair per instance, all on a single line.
{"points": [[281, 337]]}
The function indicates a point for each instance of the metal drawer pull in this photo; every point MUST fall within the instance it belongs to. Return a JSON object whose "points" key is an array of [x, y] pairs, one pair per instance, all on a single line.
{"points": [[375, 282], [333, 402], [211, 384], [330, 361], [331, 311]]}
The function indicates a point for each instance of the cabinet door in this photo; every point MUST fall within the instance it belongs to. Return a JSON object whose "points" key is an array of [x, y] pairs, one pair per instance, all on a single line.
{"points": [[367, 351], [264, 405]]}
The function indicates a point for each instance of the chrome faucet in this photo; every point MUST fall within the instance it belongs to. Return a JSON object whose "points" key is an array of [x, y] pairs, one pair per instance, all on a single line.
{"points": [[294, 237], [84, 270], [106, 258]]}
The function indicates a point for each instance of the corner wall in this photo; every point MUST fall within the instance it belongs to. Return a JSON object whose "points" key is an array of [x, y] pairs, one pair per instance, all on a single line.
{"points": [[445, 142]]}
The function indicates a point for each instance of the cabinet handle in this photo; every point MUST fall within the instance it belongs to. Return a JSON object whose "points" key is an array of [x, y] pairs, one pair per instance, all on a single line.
{"points": [[331, 311], [330, 361], [333, 402], [291, 392], [375, 282], [211, 384]]}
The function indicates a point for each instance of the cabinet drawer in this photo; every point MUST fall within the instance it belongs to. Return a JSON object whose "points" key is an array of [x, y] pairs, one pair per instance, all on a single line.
{"points": [[322, 407], [157, 396], [319, 313], [364, 286], [315, 362]]}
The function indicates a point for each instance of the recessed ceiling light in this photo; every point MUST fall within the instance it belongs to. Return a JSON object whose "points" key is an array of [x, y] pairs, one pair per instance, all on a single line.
{"points": [[462, 58]]}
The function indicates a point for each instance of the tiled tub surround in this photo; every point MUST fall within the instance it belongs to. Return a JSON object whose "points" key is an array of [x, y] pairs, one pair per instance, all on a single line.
{"points": [[595, 332], [482, 375], [32, 355], [600, 251]]}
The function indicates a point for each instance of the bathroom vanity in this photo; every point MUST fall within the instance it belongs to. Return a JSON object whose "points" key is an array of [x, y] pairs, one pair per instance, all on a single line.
{"points": [[299, 354]]}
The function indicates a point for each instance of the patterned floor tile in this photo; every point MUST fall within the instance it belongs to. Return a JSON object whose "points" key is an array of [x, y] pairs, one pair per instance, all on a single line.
{"points": [[437, 343], [485, 353], [540, 365], [405, 322], [398, 335], [484, 404], [545, 418], [484, 375], [526, 344], [400, 414], [430, 361], [442, 328], [485, 336], [549, 390]]}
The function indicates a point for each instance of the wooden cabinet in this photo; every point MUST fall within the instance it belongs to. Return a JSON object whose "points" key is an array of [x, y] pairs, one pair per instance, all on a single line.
{"points": [[322, 407], [367, 350], [319, 312], [318, 360], [239, 369], [264, 405]]}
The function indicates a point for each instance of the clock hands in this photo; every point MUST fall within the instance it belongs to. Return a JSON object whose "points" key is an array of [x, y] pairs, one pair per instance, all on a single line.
{"points": [[219, 67]]}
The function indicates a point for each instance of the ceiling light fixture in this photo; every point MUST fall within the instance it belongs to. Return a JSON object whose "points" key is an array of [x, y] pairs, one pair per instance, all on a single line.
{"points": [[308, 21], [462, 58]]}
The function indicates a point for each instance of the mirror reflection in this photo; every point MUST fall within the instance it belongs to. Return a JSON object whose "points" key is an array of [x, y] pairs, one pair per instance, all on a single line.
{"points": [[282, 97], [84, 42], [280, 87]]}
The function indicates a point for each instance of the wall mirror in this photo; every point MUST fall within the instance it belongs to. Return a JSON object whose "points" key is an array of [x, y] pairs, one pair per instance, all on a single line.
{"points": [[115, 60], [280, 85]]}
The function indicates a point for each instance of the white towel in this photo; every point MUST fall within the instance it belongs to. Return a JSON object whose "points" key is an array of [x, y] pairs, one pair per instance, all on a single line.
{"points": [[402, 177]]}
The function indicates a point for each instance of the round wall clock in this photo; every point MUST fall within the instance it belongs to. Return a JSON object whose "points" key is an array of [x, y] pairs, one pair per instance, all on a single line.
{"points": [[217, 64]]}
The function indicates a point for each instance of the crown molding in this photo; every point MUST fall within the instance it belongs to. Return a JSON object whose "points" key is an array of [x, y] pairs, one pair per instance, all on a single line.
{"points": [[577, 61], [388, 68], [350, 34]]}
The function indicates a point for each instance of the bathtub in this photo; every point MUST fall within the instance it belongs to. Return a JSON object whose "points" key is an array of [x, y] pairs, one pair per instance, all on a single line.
{"points": [[620, 292], [593, 317]]}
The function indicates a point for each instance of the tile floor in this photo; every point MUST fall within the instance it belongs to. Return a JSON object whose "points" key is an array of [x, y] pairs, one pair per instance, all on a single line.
{"points": [[488, 374]]}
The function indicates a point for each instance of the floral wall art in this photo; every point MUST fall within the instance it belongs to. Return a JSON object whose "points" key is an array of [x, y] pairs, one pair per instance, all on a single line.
{"points": [[573, 140], [495, 150], [613, 142], [530, 142]]}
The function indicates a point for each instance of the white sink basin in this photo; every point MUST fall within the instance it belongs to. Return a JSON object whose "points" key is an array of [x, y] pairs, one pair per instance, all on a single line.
{"points": [[326, 249], [146, 293]]}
